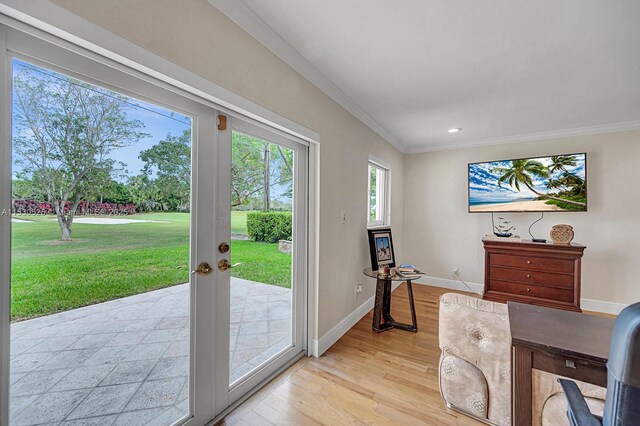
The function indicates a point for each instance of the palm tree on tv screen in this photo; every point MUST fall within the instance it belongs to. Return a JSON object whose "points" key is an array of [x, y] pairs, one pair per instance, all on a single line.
{"points": [[522, 172]]}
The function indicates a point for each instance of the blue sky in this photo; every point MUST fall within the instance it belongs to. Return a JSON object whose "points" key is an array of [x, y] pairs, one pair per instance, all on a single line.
{"points": [[483, 183], [158, 122]]}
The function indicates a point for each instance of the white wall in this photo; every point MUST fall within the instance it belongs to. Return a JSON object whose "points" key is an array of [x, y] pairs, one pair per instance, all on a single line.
{"points": [[439, 233], [196, 36]]}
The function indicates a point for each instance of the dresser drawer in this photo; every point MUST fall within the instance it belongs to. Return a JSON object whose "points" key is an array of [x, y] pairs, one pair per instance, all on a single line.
{"points": [[532, 277], [532, 262], [531, 290]]}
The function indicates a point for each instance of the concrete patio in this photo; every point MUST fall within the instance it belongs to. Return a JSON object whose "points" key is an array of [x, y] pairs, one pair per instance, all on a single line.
{"points": [[125, 362]]}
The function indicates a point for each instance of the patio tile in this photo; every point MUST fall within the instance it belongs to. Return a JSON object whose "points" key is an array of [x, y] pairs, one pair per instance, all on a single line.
{"points": [[156, 336], [29, 362], [68, 359], [139, 418], [177, 348], [50, 407], [115, 326], [172, 322], [276, 336], [19, 403], [105, 400], [169, 417], [38, 382], [252, 341], [254, 327], [145, 324], [154, 394], [168, 368], [92, 341], [147, 351], [139, 342], [23, 345], [84, 377], [280, 325], [92, 421], [54, 344], [109, 355], [240, 357], [127, 338], [14, 377], [129, 372]]}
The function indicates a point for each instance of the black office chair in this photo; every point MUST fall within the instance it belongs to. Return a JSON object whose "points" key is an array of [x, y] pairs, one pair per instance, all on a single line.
{"points": [[622, 405]]}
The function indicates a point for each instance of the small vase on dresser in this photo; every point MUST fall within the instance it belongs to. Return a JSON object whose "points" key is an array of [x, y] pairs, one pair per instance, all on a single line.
{"points": [[543, 274]]}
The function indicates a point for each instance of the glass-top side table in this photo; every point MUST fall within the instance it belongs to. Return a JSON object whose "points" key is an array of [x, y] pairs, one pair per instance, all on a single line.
{"points": [[382, 308]]}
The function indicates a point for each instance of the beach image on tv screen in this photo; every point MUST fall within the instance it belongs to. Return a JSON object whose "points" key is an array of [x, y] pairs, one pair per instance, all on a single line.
{"points": [[555, 183]]}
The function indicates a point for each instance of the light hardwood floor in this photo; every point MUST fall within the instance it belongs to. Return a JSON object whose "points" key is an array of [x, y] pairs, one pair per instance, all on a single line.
{"points": [[365, 378]]}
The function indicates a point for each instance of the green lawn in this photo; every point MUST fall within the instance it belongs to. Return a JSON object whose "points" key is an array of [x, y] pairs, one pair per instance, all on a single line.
{"points": [[105, 262], [239, 222]]}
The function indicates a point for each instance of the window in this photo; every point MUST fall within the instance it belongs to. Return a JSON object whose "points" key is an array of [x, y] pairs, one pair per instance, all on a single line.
{"points": [[378, 193]]}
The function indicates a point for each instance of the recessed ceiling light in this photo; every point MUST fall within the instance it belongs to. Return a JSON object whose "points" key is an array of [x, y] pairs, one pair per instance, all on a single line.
{"points": [[455, 130]]}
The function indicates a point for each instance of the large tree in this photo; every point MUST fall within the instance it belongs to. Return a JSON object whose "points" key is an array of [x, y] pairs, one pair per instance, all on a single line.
{"points": [[66, 130], [168, 166]]}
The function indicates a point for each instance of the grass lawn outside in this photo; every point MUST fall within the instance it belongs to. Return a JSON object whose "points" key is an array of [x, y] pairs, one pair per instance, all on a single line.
{"points": [[239, 221], [106, 262]]}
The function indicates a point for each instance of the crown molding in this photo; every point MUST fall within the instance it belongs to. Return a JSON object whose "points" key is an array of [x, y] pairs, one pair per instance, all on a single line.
{"points": [[529, 137], [246, 19]]}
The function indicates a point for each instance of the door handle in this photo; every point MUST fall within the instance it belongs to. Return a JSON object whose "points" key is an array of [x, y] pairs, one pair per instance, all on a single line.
{"points": [[223, 265], [203, 269]]}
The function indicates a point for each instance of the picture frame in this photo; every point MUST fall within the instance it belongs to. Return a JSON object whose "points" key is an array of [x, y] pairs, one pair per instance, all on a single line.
{"points": [[381, 248]]}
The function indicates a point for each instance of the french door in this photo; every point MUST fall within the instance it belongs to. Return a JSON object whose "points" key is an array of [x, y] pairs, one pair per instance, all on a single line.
{"points": [[167, 353]]}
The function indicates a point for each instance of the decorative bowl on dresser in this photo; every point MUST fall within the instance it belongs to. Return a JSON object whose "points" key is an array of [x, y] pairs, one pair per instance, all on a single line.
{"points": [[544, 274]]}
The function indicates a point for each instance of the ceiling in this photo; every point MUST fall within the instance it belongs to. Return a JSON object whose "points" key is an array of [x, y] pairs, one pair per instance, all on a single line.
{"points": [[502, 70]]}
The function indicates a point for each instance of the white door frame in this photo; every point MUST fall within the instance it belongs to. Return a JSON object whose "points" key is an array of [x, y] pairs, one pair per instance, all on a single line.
{"points": [[204, 133], [54, 24]]}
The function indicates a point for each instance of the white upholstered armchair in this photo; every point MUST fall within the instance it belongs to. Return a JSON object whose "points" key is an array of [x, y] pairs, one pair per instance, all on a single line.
{"points": [[475, 363]]}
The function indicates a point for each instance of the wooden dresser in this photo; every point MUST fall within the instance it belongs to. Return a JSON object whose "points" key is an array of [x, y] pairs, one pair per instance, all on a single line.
{"points": [[544, 274]]}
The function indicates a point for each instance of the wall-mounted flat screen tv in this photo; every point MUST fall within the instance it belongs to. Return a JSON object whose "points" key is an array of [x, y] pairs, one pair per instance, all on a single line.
{"points": [[554, 183]]}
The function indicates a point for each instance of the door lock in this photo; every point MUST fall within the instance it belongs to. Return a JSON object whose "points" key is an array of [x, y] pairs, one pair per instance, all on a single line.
{"points": [[223, 247], [223, 265], [203, 269]]}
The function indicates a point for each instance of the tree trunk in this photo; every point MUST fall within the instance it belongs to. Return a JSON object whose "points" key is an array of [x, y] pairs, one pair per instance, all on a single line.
{"points": [[65, 232], [267, 184], [575, 203]]}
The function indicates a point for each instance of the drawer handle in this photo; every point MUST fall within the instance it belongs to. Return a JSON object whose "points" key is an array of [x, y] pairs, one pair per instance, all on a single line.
{"points": [[528, 276], [528, 262], [528, 289]]}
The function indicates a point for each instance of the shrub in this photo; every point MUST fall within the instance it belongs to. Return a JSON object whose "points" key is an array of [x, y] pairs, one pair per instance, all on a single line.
{"points": [[269, 226]]}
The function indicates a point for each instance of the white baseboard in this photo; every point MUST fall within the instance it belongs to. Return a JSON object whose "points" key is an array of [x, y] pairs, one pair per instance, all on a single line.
{"points": [[452, 284], [612, 308], [319, 346]]}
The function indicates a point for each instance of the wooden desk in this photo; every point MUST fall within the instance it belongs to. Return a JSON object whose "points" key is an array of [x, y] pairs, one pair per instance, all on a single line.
{"points": [[566, 343]]}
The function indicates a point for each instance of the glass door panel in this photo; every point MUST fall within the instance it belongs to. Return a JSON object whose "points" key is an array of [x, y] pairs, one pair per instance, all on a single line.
{"points": [[261, 296], [100, 294], [262, 247]]}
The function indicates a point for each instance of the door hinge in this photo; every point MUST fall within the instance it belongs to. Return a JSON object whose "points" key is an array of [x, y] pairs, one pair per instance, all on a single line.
{"points": [[222, 122]]}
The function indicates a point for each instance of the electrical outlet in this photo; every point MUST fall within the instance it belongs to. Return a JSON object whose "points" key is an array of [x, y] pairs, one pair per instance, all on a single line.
{"points": [[455, 270], [343, 217], [359, 288]]}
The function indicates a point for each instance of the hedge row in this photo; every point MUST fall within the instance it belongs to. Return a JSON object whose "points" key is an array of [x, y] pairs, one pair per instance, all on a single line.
{"points": [[269, 226]]}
